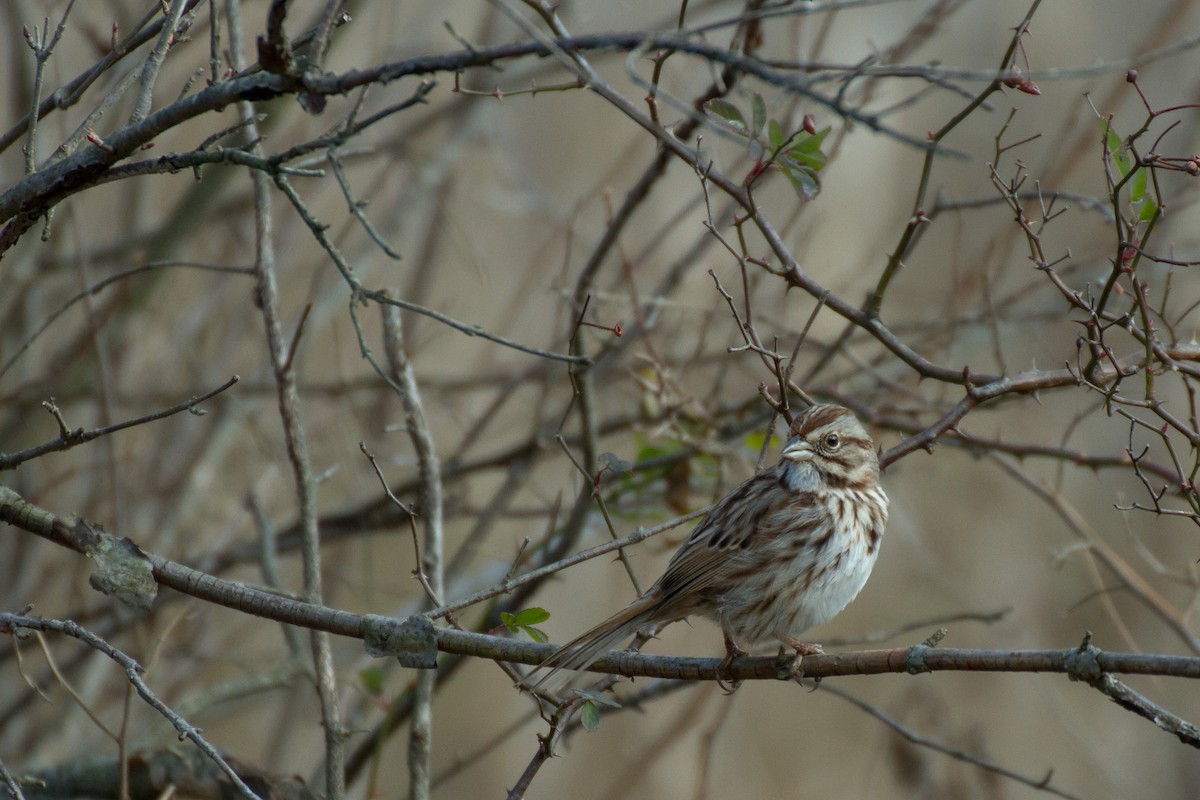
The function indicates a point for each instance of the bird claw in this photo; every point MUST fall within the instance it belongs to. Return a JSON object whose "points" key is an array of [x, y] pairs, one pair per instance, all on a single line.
{"points": [[792, 669], [724, 669], [724, 673]]}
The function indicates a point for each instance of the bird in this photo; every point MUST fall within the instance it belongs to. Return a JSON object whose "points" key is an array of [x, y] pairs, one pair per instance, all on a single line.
{"points": [[785, 551]]}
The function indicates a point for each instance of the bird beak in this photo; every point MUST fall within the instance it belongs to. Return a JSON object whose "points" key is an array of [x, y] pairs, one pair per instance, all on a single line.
{"points": [[798, 450]]}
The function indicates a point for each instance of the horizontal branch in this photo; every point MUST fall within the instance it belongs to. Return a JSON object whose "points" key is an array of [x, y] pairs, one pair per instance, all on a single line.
{"points": [[33, 195], [1084, 664], [910, 660], [416, 642]]}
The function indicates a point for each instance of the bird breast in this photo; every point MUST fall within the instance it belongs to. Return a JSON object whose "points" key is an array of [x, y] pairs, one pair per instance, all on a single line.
{"points": [[815, 574]]}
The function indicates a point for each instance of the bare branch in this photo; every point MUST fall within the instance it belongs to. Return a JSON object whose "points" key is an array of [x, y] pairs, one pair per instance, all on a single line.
{"points": [[70, 438], [13, 624]]}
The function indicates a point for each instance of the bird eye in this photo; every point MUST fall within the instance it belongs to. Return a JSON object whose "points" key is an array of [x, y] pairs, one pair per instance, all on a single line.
{"points": [[832, 441]]}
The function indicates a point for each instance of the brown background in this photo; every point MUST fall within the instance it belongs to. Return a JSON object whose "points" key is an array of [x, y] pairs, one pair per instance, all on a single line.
{"points": [[495, 206]]}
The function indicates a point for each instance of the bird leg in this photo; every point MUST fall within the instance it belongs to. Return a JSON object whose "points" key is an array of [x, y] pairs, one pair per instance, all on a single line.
{"points": [[802, 649], [732, 651]]}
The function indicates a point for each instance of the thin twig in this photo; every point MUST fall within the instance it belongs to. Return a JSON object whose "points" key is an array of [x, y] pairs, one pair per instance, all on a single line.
{"points": [[166, 37], [294, 436], [70, 438], [102, 284], [542, 572], [10, 783], [592, 485], [14, 623], [1041, 784], [42, 51], [420, 746]]}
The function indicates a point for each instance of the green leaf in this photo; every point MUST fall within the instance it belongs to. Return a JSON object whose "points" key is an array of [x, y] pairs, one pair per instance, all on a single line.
{"points": [[1149, 209], [524, 620], [774, 134], [530, 616], [615, 464], [1116, 148], [589, 717], [371, 679], [537, 634], [810, 143], [1137, 186], [727, 113], [760, 114], [804, 181], [812, 161]]}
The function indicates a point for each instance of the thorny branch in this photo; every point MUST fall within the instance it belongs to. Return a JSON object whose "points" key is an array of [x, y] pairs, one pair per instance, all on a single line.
{"points": [[1132, 356], [1087, 663]]}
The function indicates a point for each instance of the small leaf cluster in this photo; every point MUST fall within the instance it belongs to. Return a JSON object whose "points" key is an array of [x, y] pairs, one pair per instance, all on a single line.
{"points": [[797, 155], [525, 620]]}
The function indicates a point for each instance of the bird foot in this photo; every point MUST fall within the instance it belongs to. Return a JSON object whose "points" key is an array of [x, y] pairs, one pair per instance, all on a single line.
{"points": [[788, 666], [724, 671], [804, 648], [792, 669]]}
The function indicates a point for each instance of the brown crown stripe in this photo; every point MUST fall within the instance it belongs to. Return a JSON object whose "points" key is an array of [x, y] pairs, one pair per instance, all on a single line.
{"points": [[818, 417]]}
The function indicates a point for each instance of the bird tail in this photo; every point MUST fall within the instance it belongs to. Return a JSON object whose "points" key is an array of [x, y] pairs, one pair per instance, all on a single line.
{"points": [[582, 651]]}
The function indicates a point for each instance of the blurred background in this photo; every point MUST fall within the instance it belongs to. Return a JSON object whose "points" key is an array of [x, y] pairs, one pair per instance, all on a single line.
{"points": [[496, 205]]}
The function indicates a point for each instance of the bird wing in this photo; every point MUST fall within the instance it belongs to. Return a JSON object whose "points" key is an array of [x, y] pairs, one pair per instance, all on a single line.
{"points": [[732, 534]]}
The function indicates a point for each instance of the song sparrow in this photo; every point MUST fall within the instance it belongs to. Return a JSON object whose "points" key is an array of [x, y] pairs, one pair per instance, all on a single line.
{"points": [[782, 553]]}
